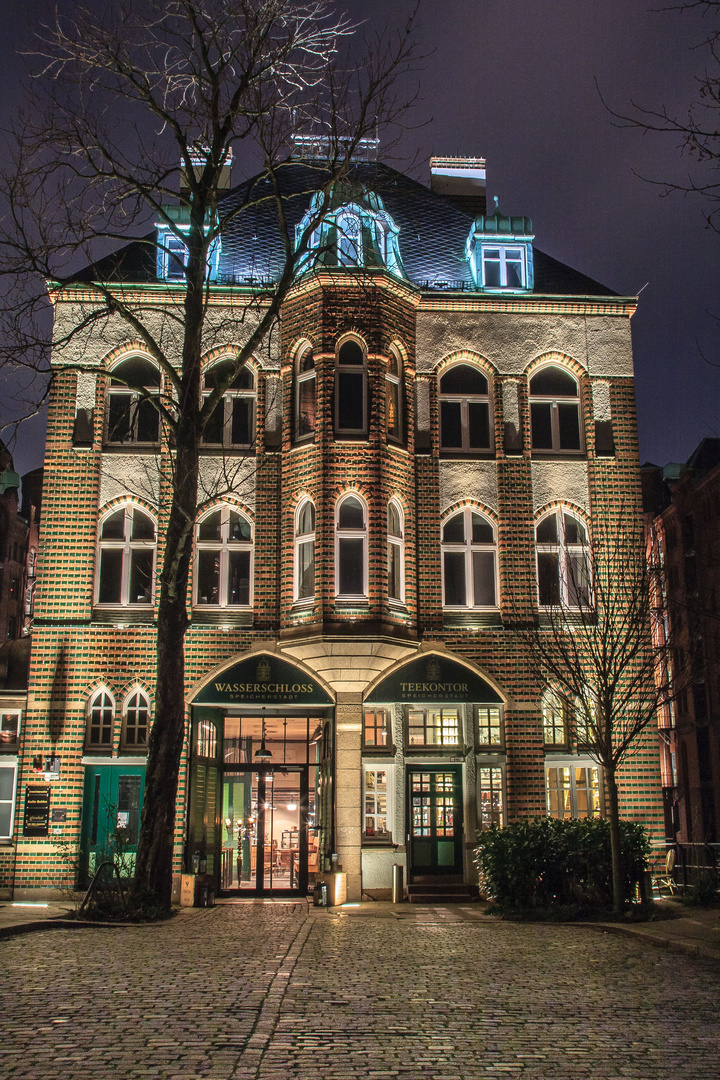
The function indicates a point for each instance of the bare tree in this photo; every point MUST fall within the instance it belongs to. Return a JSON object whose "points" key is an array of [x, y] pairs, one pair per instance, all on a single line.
{"points": [[131, 103], [603, 644]]}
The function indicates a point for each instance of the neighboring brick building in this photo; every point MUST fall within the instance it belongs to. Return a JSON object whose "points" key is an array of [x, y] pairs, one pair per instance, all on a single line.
{"points": [[440, 390], [683, 504]]}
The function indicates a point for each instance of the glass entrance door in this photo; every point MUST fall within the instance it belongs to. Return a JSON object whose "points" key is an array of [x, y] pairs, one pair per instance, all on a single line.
{"points": [[268, 841], [435, 826]]}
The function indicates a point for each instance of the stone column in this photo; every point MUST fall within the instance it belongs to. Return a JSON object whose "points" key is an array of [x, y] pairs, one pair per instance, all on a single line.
{"points": [[348, 789]]}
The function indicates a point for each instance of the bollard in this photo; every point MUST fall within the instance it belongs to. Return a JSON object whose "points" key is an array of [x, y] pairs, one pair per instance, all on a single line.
{"points": [[397, 883]]}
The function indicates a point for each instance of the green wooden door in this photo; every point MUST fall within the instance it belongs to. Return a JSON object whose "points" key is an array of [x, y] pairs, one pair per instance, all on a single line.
{"points": [[112, 804], [435, 825]]}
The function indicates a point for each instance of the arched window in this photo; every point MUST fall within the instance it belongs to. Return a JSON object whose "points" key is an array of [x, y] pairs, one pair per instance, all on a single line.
{"points": [[351, 547], [464, 410], [555, 410], [100, 716], [469, 561], [305, 397], [395, 552], [136, 720], [131, 415], [126, 557], [223, 560], [349, 240], [231, 422], [305, 551], [563, 569], [350, 390], [394, 398]]}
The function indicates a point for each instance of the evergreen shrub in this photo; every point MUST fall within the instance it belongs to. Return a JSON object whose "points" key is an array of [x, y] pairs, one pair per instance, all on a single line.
{"points": [[545, 863]]}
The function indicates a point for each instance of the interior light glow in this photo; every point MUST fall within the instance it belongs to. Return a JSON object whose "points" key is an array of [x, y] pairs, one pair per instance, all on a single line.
{"points": [[292, 806], [28, 903]]}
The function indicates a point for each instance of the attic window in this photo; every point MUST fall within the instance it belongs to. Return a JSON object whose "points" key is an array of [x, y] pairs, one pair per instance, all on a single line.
{"points": [[503, 267]]}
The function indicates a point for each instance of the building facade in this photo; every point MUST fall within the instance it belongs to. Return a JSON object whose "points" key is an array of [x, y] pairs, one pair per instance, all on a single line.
{"points": [[407, 470], [683, 506]]}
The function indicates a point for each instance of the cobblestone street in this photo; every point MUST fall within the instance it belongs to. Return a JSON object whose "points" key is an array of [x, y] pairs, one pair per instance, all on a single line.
{"points": [[261, 991]]}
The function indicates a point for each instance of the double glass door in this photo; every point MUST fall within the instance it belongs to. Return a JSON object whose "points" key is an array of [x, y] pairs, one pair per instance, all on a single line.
{"points": [[269, 840], [435, 826]]}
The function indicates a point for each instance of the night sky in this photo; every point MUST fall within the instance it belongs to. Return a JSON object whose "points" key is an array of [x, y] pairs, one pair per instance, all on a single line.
{"points": [[515, 81]]}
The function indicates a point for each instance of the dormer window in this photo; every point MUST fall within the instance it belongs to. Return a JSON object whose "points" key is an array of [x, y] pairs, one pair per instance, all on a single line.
{"points": [[355, 232], [172, 252], [499, 249]]}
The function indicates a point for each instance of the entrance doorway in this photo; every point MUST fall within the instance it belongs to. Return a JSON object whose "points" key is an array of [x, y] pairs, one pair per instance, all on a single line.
{"points": [[435, 826], [260, 801], [111, 817]]}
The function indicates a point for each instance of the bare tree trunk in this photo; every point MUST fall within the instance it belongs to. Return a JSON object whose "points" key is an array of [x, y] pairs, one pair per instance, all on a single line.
{"points": [[615, 843]]}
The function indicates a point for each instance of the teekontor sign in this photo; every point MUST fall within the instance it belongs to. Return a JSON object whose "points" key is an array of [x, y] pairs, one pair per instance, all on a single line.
{"points": [[262, 679], [433, 679]]}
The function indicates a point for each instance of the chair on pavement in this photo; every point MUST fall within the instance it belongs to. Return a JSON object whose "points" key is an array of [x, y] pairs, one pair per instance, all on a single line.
{"points": [[666, 880]]}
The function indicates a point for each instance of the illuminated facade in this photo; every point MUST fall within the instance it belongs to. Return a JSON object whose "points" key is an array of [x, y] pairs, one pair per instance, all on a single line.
{"points": [[417, 457]]}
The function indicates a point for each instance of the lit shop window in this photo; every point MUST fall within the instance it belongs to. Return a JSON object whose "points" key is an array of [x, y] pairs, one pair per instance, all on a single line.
{"points": [[432, 727], [489, 725], [131, 414], [206, 742], [376, 800], [376, 729], [464, 410], [469, 561], [490, 796], [563, 567], [231, 422], [555, 410], [223, 560], [573, 791], [305, 551], [126, 558]]}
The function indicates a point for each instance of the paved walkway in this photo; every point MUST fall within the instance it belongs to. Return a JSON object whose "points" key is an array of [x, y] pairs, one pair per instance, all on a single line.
{"points": [[275, 991]]}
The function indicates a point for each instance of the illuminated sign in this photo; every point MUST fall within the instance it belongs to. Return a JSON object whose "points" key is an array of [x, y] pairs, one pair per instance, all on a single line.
{"points": [[262, 679], [434, 679]]}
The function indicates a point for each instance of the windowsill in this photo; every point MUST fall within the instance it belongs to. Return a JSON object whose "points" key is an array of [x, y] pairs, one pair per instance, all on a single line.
{"points": [[432, 748], [214, 616], [148, 448], [377, 842], [557, 455], [378, 751], [10, 749], [211, 449], [397, 605], [302, 441], [352, 601], [118, 616], [98, 751], [456, 453], [304, 604]]}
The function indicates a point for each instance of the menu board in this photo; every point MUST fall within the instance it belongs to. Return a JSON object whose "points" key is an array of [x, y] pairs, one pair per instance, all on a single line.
{"points": [[37, 810]]}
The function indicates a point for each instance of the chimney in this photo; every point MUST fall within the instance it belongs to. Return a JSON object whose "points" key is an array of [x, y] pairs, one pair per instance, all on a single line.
{"points": [[462, 179]]}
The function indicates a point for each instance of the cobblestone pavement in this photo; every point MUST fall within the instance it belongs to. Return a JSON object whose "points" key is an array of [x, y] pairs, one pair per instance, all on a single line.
{"points": [[273, 991]]}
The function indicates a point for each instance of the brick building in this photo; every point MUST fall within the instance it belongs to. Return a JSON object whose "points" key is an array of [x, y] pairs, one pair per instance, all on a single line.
{"points": [[442, 414], [683, 505]]}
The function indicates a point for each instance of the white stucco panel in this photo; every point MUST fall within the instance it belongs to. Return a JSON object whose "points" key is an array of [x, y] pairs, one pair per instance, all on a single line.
{"points": [[129, 474], [377, 864], [511, 405], [601, 400], [564, 480], [468, 480], [228, 475], [85, 393]]}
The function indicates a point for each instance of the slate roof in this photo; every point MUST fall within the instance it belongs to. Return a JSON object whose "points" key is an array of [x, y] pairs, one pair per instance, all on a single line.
{"points": [[433, 232]]}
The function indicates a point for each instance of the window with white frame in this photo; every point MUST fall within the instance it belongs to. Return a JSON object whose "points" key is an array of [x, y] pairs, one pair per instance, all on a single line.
{"points": [[490, 796], [351, 547], [131, 414], [469, 566], [464, 410], [573, 790], [376, 804], [554, 719], [305, 551], [555, 410], [563, 564], [305, 395], [8, 786], [231, 422], [9, 729], [503, 267], [376, 729], [394, 398], [433, 726], [100, 717], [136, 720], [395, 552], [489, 725], [126, 558], [223, 559], [350, 389]]}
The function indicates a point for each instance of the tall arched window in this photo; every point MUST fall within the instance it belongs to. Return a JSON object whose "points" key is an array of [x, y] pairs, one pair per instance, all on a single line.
{"points": [[305, 551], [555, 410], [464, 410], [136, 720], [563, 568], [349, 240], [223, 560], [469, 561], [100, 716], [351, 547], [232, 421], [126, 557], [350, 390], [131, 416], [394, 398], [395, 552], [305, 395]]}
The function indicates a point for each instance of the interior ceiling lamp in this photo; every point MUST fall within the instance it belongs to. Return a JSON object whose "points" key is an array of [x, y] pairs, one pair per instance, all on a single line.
{"points": [[262, 753]]}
